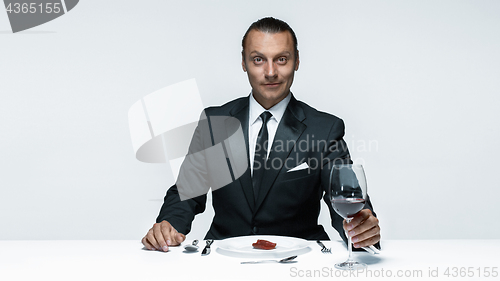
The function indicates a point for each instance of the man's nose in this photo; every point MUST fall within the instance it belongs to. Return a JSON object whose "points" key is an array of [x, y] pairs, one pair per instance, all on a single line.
{"points": [[270, 70]]}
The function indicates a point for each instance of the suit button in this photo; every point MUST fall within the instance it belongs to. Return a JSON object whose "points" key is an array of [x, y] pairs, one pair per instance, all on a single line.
{"points": [[255, 230]]}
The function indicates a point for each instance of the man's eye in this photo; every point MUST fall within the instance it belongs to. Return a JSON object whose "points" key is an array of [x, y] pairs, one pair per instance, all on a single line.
{"points": [[257, 60], [282, 60]]}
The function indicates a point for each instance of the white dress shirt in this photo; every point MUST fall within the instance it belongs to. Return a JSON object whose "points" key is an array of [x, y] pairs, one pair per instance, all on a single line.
{"points": [[255, 123]]}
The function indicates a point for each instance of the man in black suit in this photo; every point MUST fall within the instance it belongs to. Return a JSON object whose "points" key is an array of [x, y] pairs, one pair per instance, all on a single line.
{"points": [[276, 187]]}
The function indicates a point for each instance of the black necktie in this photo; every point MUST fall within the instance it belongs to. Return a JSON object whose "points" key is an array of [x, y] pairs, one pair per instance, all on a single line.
{"points": [[260, 153]]}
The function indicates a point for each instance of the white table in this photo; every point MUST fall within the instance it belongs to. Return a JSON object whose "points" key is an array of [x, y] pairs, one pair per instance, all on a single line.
{"points": [[126, 260]]}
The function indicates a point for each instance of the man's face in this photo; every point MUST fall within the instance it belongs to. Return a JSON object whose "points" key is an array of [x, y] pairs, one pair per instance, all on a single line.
{"points": [[270, 63]]}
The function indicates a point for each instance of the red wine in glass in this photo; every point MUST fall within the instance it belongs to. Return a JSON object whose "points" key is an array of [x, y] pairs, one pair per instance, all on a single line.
{"points": [[348, 207]]}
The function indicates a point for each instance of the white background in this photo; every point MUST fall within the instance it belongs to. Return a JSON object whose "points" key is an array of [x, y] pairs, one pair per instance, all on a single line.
{"points": [[416, 82]]}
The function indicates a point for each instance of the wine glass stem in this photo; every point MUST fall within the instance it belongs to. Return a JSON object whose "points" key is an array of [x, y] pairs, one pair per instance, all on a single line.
{"points": [[349, 243]]}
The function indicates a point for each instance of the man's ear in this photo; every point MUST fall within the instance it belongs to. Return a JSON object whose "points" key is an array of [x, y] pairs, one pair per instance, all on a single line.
{"points": [[243, 64], [297, 61]]}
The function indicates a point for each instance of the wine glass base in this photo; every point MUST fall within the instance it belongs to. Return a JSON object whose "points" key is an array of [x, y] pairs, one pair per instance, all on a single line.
{"points": [[350, 265]]}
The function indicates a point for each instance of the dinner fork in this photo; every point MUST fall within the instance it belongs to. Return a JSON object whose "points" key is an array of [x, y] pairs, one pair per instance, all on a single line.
{"points": [[324, 249]]}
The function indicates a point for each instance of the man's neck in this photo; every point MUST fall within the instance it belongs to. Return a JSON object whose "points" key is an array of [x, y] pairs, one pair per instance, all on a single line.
{"points": [[277, 110], [267, 104]]}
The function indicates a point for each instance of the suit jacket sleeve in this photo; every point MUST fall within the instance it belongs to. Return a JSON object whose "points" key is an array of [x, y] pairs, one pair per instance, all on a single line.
{"points": [[180, 213]]}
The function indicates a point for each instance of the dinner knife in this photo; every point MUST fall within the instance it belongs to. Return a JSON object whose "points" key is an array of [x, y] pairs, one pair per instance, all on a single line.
{"points": [[206, 250]]}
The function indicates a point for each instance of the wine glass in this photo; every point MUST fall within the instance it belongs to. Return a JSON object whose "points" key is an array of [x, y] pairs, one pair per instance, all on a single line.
{"points": [[347, 194]]}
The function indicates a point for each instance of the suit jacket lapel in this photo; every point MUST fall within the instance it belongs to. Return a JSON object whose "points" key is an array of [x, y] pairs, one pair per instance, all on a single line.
{"points": [[288, 132], [240, 112]]}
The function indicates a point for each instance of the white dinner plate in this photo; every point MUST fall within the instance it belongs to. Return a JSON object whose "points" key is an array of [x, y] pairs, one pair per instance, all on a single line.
{"points": [[241, 247]]}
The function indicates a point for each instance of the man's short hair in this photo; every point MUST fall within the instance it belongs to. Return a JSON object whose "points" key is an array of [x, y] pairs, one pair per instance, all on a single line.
{"points": [[270, 25]]}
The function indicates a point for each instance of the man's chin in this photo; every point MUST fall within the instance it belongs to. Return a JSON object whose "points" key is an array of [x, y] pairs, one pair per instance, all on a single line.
{"points": [[273, 93]]}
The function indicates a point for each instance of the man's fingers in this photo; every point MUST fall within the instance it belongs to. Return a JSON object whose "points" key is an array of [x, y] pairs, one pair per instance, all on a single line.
{"points": [[180, 237], [146, 244], [367, 238], [358, 219], [151, 239], [363, 229], [365, 225], [160, 237], [368, 242], [165, 229]]}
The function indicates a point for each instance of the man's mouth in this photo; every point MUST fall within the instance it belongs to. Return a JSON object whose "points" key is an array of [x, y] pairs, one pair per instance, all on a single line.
{"points": [[272, 84]]}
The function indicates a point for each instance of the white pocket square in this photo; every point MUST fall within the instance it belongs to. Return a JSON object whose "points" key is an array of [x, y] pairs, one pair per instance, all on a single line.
{"points": [[299, 167]]}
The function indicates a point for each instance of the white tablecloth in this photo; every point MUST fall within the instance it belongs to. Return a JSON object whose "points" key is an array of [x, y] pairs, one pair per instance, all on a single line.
{"points": [[126, 260]]}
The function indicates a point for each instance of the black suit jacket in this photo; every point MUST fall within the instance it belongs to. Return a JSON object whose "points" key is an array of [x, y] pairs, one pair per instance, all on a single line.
{"points": [[288, 203]]}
